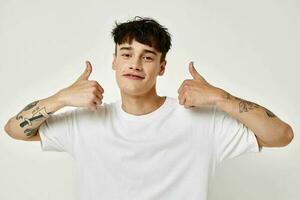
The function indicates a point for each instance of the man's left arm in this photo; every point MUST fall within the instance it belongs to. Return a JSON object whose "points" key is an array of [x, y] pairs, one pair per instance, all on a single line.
{"points": [[269, 130]]}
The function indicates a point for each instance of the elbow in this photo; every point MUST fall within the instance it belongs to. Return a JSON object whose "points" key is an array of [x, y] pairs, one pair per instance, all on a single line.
{"points": [[281, 138], [288, 134], [9, 131]]}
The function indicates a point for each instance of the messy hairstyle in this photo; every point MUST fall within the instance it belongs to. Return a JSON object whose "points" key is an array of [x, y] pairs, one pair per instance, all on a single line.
{"points": [[144, 30]]}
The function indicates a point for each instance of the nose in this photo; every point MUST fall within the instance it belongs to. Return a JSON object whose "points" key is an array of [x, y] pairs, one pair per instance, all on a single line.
{"points": [[135, 64]]}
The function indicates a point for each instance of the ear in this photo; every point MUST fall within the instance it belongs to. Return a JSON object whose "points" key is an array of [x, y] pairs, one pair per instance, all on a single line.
{"points": [[114, 62], [162, 68]]}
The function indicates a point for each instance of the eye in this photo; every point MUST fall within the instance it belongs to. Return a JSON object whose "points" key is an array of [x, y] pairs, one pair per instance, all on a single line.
{"points": [[125, 55], [148, 58]]}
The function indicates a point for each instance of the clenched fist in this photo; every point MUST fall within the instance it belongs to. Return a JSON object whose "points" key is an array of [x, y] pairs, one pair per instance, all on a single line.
{"points": [[198, 92], [83, 92]]}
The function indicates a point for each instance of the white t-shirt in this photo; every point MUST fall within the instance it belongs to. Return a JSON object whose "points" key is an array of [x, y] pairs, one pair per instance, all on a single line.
{"points": [[170, 153]]}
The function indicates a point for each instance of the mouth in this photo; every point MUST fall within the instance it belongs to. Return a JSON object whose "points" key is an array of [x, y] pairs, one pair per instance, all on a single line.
{"points": [[134, 77]]}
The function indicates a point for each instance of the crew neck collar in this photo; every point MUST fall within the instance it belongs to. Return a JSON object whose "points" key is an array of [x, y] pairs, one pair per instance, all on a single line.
{"points": [[161, 109]]}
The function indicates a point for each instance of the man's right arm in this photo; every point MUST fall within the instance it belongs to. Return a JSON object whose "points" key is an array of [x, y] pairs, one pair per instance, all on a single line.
{"points": [[82, 93]]}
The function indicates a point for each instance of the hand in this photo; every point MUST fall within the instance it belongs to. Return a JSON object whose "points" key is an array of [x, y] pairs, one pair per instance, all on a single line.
{"points": [[198, 92], [83, 92]]}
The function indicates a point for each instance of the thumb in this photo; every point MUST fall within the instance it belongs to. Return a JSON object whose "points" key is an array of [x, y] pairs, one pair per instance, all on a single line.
{"points": [[87, 72], [194, 72]]}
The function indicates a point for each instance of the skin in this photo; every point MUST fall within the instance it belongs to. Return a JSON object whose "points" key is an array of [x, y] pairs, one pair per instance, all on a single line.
{"points": [[269, 130], [82, 93], [138, 96]]}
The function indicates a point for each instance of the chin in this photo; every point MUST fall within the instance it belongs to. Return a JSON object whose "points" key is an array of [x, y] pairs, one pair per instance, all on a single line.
{"points": [[132, 91]]}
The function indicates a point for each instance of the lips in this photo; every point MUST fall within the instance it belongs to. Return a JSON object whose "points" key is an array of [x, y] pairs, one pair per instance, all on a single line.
{"points": [[135, 76]]}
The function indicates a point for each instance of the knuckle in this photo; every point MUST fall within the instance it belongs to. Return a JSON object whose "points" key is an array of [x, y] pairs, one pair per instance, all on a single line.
{"points": [[186, 86], [94, 83], [186, 81], [93, 90], [101, 89]]}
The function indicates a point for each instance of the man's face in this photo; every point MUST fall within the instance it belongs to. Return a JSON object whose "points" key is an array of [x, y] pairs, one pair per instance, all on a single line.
{"points": [[137, 59]]}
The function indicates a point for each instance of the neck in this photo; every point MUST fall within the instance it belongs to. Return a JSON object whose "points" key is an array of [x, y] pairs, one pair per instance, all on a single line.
{"points": [[141, 104]]}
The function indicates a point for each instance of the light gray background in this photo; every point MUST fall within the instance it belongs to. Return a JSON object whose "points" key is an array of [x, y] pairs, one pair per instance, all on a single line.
{"points": [[249, 48]]}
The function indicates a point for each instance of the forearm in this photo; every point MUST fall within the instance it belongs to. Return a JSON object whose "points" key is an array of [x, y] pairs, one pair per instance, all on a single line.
{"points": [[26, 123], [270, 130]]}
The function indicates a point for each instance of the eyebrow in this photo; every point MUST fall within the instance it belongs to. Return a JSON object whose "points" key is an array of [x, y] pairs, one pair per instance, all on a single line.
{"points": [[144, 50]]}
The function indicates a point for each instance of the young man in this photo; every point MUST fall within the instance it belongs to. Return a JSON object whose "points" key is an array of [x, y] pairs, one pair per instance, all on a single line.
{"points": [[145, 146]]}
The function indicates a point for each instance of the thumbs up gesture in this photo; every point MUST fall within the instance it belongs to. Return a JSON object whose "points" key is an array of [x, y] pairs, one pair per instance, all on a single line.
{"points": [[198, 92], [83, 92]]}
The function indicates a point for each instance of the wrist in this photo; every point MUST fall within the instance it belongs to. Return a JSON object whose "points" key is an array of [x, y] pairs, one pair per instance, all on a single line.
{"points": [[222, 99], [59, 99]]}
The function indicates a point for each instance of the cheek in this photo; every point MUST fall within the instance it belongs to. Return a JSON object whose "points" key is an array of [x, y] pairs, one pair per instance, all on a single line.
{"points": [[154, 73], [152, 77], [119, 68], [119, 62]]}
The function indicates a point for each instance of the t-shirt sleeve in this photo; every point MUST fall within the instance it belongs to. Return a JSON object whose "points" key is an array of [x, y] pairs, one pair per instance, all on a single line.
{"points": [[232, 138], [56, 132]]}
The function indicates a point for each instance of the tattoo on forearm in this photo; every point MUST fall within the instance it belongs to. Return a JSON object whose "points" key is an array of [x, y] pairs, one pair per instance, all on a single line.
{"points": [[29, 106], [245, 106], [28, 122], [38, 117], [31, 132], [269, 113]]}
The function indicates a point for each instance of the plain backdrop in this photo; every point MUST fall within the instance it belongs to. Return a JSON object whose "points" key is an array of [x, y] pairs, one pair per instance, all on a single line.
{"points": [[248, 48]]}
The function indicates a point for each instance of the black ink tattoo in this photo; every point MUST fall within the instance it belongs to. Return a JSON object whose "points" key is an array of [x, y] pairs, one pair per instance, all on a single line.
{"points": [[269, 113], [245, 106], [35, 110], [31, 132], [37, 114], [228, 96], [29, 121], [29, 106]]}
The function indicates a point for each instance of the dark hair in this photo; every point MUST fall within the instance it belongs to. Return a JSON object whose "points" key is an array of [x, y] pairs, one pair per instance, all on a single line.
{"points": [[144, 30]]}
